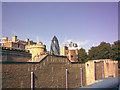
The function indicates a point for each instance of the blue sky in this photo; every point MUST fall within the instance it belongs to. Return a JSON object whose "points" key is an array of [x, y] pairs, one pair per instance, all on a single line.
{"points": [[87, 24]]}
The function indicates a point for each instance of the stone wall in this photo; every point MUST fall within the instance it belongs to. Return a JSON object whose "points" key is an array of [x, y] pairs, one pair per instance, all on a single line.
{"points": [[99, 69], [51, 73], [90, 72], [75, 75], [15, 55], [14, 45], [36, 49], [15, 75], [48, 73], [111, 68]]}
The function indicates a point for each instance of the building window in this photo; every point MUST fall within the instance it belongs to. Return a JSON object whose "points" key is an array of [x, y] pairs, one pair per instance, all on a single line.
{"points": [[71, 56], [87, 65], [18, 45]]}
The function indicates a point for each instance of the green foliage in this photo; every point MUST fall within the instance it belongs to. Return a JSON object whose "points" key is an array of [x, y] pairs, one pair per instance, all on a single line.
{"points": [[82, 55], [105, 51], [100, 52], [115, 52]]}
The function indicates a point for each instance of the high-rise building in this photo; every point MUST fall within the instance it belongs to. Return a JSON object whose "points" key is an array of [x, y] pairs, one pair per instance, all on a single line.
{"points": [[54, 49]]}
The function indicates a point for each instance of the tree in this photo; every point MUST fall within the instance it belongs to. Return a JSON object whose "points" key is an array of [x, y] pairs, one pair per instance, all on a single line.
{"points": [[115, 52], [92, 53], [100, 52], [82, 55]]}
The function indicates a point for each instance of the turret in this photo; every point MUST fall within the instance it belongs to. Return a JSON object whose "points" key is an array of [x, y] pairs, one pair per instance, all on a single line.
{"points": [[4, 39]]}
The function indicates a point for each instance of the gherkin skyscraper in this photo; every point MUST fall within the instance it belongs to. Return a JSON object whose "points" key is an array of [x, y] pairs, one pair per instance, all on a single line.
{"points": [[55, 46]]}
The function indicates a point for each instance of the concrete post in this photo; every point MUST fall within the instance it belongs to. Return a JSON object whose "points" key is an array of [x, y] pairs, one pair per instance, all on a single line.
{"points": [[32, 81], [66, 79], [102, 71], [81, 77]]}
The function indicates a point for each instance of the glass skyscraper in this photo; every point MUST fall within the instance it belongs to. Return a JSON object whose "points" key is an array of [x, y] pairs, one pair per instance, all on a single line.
{"points": [[55, 49]]}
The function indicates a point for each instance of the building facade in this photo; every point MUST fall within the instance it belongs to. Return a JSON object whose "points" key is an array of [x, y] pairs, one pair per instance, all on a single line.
{"points": [[71, 52], [27, 45], [16, 43]]}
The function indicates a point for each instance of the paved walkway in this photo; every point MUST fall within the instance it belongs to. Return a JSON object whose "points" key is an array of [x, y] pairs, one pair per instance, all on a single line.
{"points": [[105, 83]]}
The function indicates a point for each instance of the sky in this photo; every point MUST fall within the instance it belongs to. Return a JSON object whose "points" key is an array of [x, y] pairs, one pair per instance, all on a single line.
{"points": [[85, 23]]}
